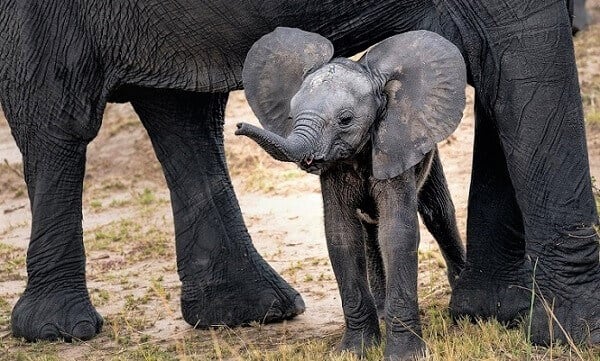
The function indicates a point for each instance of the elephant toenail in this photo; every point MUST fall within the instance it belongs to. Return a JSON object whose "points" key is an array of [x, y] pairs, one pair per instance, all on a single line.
{"points": [[84, 330], [100, 323], [299, 305], [49, 332], [273, 313]]}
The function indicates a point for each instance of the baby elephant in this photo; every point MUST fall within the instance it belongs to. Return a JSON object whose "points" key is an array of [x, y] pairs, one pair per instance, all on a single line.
{"points": [[369, 129]]}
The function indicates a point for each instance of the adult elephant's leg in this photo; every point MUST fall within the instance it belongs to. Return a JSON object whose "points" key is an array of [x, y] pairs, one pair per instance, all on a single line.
{"points": [[56, 303], [540, 121], [495, 236], [225, 281], [529, 83]]}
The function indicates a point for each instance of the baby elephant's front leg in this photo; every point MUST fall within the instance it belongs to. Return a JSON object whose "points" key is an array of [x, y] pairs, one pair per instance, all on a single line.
{"points": [[346, 251], [399, 239]]}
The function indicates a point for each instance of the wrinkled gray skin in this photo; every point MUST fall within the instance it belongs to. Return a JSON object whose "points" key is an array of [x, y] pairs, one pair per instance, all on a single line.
{"points": [[175, 61], [371, 224]]}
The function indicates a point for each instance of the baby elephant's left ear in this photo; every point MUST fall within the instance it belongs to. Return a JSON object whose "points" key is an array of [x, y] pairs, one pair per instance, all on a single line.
{"points": [[424, 78]]}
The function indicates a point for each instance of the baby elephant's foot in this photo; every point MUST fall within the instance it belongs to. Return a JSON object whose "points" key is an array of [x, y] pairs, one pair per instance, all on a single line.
{"points": [[404, 346], [358, 341], [51, 315]]}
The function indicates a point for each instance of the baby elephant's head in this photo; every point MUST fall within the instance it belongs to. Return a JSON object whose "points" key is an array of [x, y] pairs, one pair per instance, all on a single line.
{"points": [[404, 95], [334, 110]]}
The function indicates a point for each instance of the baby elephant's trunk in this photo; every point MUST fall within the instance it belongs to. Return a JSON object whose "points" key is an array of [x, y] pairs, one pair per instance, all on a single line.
{"points": [[298, 146]]}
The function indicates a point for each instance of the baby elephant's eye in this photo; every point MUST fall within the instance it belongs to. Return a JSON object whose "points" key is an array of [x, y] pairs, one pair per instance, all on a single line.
{"points": [[345, 119]]}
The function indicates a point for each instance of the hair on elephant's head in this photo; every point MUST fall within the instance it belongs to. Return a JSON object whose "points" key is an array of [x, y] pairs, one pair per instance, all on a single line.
{"points": [[404, 95]]}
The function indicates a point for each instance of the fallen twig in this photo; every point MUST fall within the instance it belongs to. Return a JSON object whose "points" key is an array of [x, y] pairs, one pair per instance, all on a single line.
{"points": [[10, 210]]}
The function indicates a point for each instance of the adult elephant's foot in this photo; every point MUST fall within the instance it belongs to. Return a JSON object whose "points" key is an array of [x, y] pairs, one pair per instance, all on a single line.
{"points": [[567, 303], [52, 314], [243, 295], [567, 287], [481, 294], [566, 281], [568, 315]]}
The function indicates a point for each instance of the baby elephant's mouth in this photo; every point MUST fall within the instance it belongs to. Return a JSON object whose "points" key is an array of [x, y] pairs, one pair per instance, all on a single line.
{"points": [[312, 165]]}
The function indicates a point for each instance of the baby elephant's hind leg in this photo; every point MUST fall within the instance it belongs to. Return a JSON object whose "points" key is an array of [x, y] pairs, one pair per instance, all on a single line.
{"points": [[375, 267], [437, 210]]}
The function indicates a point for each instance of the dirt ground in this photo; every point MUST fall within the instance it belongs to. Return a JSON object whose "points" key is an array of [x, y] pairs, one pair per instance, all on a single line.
{"points": [[129, 232]]}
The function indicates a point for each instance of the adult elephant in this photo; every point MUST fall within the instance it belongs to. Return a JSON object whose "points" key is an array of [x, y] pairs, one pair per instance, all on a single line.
{"points": [[531, 207]]}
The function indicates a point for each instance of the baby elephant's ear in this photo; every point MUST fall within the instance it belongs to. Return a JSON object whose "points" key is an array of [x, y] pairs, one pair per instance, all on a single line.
{"points": [[423, 76], [274, 70]]}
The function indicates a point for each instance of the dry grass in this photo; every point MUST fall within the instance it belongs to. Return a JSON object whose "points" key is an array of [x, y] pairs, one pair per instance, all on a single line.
{"points": [[129, 333]]}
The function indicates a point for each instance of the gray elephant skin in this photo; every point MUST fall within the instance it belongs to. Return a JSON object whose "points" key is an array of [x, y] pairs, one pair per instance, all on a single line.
{"points": [[370, 129], [530, 207]]}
